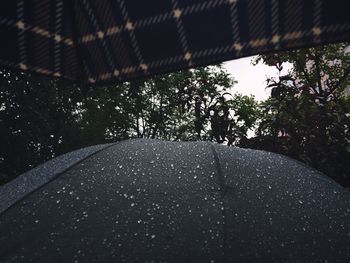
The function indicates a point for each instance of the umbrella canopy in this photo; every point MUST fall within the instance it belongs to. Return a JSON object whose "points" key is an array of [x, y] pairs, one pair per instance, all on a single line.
{"points": [[103, 41], [154, 201]]}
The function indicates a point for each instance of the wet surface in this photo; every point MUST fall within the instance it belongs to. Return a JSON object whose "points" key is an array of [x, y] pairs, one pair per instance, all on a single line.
{"points": [[154, 201], [42, 174], [282, 210]]}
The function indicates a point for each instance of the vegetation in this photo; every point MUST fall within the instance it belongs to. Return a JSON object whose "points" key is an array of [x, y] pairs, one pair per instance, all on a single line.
{"points": [[307, 116], [41, 118]]}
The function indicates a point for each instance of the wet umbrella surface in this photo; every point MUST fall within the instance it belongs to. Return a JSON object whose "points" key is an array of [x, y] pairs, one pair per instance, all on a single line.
{"points": [[154, 201], [148, 200]]}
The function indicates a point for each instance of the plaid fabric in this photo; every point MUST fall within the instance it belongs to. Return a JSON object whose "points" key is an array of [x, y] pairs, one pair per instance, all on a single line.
{"points": [[92, 41]]}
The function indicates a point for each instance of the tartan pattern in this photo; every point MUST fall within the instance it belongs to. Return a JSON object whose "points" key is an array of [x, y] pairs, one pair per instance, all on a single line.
{"points": [[103, 41]]}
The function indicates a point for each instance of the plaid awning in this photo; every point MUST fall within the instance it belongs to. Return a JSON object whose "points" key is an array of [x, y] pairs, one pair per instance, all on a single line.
{"points": [[90, 41]]}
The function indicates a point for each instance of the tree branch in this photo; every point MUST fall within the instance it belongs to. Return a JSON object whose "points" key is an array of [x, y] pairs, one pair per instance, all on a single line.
{"points": [[306, 75]]}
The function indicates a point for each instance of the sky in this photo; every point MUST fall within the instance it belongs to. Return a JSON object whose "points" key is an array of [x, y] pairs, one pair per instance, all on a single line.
{"points": [[251, 79]]}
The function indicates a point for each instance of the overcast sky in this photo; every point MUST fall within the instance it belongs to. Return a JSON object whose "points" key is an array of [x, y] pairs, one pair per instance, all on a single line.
{"points": [[251, 79]]}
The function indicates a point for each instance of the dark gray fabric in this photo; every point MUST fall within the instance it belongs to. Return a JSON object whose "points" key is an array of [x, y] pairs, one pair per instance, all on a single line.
{"points": [[106, 41], [154, 201], [281, 210], [11, 192]]}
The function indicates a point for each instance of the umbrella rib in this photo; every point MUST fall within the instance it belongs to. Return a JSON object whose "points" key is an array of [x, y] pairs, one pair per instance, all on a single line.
{"points": [[221, 183], [8, 200]]}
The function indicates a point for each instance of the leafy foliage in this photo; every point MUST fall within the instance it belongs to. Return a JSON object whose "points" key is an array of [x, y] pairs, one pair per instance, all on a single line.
{"points": [[37, 121], [42, 118], [308, 114]]}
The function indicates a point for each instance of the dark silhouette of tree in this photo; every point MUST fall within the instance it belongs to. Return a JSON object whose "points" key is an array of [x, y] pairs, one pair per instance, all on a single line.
{"points": [[37, 121], [41, 118], [308, 114]]}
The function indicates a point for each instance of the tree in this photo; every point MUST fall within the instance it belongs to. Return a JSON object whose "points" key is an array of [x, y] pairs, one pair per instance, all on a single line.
{"points": [[37, 121], [41, 118], [191, 104], [308, 114]]}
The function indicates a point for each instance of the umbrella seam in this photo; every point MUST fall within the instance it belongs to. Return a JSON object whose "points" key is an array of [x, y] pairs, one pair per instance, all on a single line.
{"points": [[221, 183], [317, 175], [54, 178]]}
